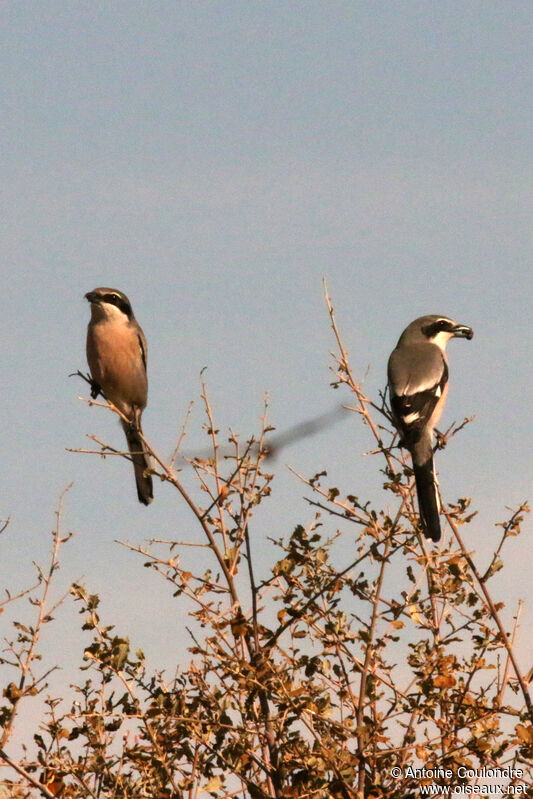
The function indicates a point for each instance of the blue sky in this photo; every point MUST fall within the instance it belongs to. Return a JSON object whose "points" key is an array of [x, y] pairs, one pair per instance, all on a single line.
{"points": [[214, 161]]}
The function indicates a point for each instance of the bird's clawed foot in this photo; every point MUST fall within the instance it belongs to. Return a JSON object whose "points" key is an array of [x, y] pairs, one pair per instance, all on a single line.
{"points": [[95, 388], [441, 439]]}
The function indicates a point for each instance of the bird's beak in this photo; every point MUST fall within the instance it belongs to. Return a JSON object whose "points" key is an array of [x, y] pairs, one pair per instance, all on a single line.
{"points": [[463, 331], [92, 297]]}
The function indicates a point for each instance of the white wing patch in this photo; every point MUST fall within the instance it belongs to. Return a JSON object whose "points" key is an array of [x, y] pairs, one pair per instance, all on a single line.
{"points": [[411, 390]]}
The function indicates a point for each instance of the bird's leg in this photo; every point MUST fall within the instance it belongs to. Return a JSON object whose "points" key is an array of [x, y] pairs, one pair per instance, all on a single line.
{"points": [[441, 440], [95, 388]]}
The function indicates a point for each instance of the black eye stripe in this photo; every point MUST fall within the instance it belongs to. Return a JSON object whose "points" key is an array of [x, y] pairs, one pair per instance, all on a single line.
{"points": [[120, 302], [438, 327]]}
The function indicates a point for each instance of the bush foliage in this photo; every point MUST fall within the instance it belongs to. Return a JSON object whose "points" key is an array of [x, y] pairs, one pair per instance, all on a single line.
{"points": [[369, 679]]}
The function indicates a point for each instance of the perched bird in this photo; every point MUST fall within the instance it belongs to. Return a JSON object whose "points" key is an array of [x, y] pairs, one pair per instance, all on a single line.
{"points": [[418, 385], [116, 353]]}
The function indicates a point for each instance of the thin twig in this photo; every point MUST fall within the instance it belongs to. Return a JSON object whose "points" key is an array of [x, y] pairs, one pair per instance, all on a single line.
{"points": [[494, 613]]}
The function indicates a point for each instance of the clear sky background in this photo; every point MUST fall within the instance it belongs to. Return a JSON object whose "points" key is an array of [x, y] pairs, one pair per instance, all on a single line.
{"points": [[214, 161]]}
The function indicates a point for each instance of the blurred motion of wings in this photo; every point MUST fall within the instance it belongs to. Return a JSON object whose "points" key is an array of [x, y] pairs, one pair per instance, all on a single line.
{"points": [[272, 445]]}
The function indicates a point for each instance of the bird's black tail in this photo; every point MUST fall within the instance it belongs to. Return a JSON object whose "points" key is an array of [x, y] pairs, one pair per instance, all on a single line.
{"points": [[141, 462], [428, 501], [426, 487]]}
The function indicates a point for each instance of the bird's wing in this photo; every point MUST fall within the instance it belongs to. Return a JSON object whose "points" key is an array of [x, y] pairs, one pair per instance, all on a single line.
{"points": [[418, 376]]}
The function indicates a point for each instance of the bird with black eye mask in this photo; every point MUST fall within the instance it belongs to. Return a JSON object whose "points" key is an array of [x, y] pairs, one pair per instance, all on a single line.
{"points": [[418, 386], [117, 354]]}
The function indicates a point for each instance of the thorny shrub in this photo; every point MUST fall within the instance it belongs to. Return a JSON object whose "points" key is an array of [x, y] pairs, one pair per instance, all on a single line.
{"points": [[321, 681]]}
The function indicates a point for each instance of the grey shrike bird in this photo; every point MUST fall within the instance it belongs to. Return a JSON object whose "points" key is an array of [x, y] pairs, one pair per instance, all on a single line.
{"points": [[418, 384], [116, 353]]}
